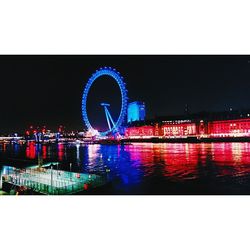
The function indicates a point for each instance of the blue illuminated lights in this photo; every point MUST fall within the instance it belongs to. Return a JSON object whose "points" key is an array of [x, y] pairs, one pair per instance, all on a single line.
{"points": [[136, 111], [124, 99]]}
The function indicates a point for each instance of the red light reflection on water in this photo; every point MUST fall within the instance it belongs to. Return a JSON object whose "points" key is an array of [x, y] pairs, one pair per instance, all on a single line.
{"points": [[175, 160], [189, 161], [234, 155], [44, 151], [181, 160], [60, 151], [142, 153], [31, 150]]}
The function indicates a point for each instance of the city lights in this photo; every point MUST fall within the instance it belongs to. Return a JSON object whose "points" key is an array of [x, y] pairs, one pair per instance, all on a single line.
{"points": [[148, 147]]}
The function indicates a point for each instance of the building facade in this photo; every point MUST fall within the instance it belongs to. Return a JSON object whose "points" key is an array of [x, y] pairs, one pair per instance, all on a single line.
{"points": [[230, 128], [136, 111]]}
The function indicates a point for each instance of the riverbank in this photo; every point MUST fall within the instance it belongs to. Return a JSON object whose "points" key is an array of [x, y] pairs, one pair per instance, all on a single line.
{"points": [[186, 140]]}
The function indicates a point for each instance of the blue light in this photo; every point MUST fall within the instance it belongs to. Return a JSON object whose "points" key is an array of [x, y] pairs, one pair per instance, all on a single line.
{"points": [[136, 111], [114, 74]]}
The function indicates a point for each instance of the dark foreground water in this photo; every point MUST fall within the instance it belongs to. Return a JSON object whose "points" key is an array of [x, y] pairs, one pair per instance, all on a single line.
{"points": [[149, 168]]}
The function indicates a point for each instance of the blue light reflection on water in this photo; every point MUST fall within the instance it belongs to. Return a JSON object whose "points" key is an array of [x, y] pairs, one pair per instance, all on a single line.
{"points": [[161, 167]]}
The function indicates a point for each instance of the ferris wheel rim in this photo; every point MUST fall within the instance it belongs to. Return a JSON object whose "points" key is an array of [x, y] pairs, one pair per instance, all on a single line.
{"points": [[122, 86]]}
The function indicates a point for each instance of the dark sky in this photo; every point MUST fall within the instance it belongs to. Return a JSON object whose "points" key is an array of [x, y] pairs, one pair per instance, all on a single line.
{"points": [[47, 90]]}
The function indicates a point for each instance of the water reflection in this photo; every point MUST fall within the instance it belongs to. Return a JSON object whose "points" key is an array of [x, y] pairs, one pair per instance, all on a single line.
{"points": [[232, 158], [61, 152], [78, 153], [31, 150], [181, 161], [44, 152], [139, 162]]}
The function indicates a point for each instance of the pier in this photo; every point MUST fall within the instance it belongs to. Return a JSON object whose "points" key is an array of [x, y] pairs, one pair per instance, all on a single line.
{"points": [[48, 181]]}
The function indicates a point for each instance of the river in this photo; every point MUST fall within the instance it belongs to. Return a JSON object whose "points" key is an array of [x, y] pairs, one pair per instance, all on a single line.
{"points": [[150, 168]]}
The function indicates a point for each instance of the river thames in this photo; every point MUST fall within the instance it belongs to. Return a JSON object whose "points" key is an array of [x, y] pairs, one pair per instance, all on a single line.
{"points": [[148, 168]]}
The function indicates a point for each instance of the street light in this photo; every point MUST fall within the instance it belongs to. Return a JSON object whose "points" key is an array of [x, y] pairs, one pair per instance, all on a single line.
{"points": [[70, 165], [51, 177]]}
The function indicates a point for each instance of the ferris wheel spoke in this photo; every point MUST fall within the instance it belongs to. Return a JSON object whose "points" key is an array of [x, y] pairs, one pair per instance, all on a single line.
{"points": [[107, 116], [119, 80], [111, 119]]}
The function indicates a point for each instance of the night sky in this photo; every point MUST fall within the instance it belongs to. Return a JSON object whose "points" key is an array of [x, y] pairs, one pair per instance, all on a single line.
{"points": [[47, 90]]}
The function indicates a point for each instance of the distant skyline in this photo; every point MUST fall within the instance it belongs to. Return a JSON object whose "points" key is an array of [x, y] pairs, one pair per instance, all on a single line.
{"points": [[47, 90]]}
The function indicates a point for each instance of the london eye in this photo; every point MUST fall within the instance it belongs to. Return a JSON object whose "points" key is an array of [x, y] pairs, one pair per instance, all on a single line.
{"points": [[113, 125]]}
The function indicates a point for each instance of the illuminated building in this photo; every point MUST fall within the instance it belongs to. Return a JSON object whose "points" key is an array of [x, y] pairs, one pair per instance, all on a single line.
{"points": [[178, 129], [136, 111], [229, 128], [195, 127], [142, 131]]}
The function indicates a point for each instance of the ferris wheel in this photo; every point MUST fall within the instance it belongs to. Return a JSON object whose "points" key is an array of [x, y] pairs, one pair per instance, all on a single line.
{"points": [[113, 126]]}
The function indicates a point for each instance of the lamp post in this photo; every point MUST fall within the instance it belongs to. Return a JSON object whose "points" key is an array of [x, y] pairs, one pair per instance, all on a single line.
{"points": [[70, 165], [51, 177]]}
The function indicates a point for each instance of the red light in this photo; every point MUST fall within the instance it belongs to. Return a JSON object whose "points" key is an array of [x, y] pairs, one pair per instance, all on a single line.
{"points": [[44, 151], [229, 128], [214, 129], [178, 130], [31, 151], [60, 152], [140, 131]]}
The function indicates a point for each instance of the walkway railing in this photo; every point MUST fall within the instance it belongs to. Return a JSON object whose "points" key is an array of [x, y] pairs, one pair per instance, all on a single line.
{"points": [[47, 181]]}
